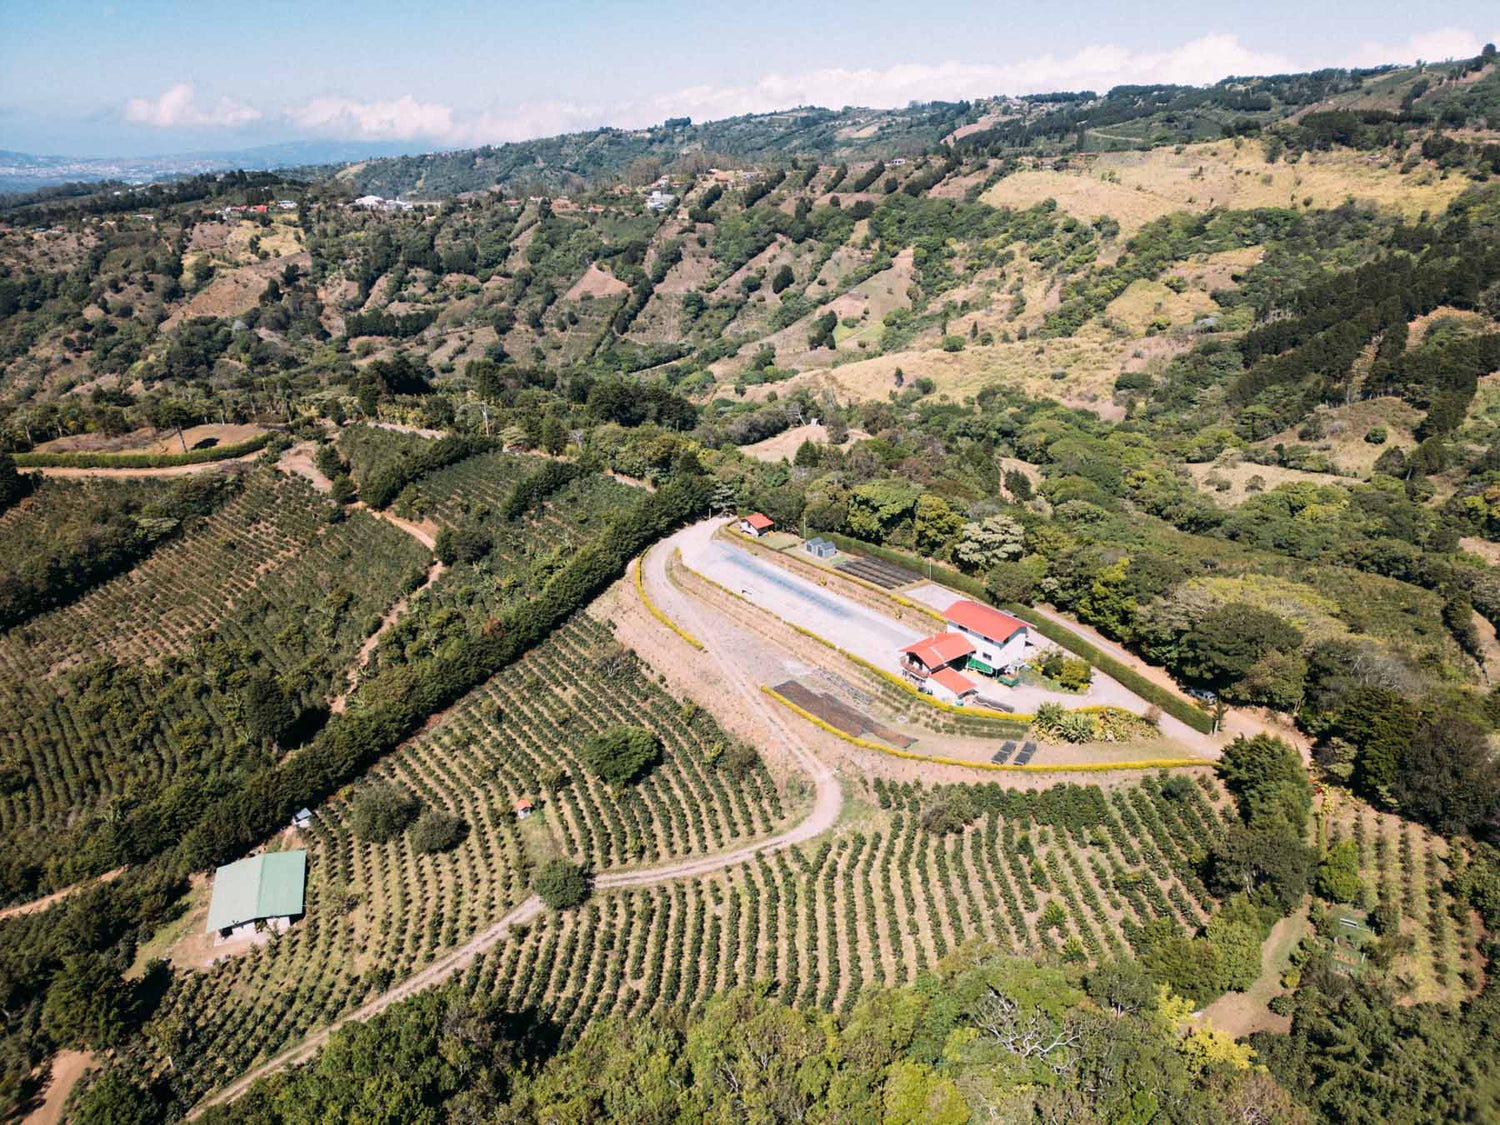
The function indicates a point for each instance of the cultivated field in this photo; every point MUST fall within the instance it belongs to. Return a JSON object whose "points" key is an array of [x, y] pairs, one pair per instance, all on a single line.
{"points": [[377, 912]]}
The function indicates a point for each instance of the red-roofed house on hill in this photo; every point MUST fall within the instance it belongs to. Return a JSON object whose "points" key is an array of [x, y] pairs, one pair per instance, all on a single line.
{"points": [[1000, 641], [755, 524], [933, 665]]}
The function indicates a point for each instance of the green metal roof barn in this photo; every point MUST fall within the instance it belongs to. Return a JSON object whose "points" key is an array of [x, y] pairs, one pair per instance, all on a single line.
{"points": [[263, 886]]}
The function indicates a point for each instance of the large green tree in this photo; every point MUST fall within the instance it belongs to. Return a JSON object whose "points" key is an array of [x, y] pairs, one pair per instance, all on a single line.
{"points": [[1225, 644], [620, 754]]}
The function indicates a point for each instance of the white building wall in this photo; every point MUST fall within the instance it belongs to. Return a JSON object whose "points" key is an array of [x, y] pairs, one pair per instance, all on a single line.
{"points": [[991, 652], [940, 693]]}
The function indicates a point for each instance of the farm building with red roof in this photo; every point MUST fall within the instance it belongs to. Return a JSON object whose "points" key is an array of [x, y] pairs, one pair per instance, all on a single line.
{"points": [[756, 524], [953, 687], [933, 666], [1000, 641], [927, 656]]}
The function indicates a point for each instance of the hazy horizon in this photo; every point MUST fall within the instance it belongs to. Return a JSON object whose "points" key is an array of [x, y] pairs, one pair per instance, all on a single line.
{"points": [[163, 78]]}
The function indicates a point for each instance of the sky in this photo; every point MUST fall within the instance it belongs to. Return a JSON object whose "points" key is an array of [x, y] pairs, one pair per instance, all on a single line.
{"points": [[151, 77]]}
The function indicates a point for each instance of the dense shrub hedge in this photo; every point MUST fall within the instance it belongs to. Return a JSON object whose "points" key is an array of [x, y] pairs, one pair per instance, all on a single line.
{"points": [[539, 484], [141, 460], [1168, 701], [386, 482], [353, 740]]}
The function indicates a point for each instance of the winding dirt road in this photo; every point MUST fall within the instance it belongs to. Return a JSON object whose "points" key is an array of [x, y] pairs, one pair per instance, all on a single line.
{"points": [[828, 804]]}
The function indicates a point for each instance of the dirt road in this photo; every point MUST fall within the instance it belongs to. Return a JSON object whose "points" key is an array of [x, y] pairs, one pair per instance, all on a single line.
{"points": [[57, 896], [67, 1068], [828, 803], [127, 474]]}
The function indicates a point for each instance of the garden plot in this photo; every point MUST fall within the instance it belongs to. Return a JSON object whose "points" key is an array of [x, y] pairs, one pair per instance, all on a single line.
{"points": [[1072, 869], [379, 912]]}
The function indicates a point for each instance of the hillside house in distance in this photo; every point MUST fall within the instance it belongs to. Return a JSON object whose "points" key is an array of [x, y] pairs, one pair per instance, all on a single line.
{"points": [[376, 203], [1000, 641], [267, 888], [933, 666], [659, 200], [755, 524]]}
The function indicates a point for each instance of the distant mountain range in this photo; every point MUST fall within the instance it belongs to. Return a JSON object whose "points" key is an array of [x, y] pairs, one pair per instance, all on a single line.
{"points": [[24, 171]]}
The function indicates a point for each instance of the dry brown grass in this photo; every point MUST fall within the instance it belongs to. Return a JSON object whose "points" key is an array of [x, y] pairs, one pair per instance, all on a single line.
{"points": [[1216, 174], [1240, 473], [281, 239], [1147, 301], [234, 291], [784, 445], [1345, 427], [596, 283], [1086, 366]]}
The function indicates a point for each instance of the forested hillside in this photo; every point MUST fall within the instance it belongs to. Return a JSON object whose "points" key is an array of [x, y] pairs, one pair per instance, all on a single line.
{"points": [[395, 514]]}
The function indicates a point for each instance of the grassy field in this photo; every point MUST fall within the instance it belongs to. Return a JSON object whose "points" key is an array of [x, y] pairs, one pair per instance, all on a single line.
{"points": [[1135, 187], [1406, 865], [1079, 370], [1344, 429]]}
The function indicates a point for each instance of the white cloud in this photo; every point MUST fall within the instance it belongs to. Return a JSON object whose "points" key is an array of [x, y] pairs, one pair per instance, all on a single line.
{"points": [[178, 106], [1438, 45], [1199, 61], [1096, 67], [403, 119], [1202, 60]]}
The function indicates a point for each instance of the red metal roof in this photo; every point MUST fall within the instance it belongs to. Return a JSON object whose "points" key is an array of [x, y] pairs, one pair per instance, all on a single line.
{"points": [[944, 648], [954, 682], [983, 620], [758, 521]]}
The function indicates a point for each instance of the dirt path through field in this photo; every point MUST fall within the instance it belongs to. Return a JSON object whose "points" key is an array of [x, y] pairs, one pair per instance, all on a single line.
{"points": [[298, 461], [828, 803], [57, 896], [393, 615], [1240, 1013], [67, 1068], [127, 474]]}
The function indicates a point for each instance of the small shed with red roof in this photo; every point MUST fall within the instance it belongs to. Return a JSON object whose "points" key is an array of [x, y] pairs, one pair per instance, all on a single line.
{"points": [[951, 686], [756, 524]]}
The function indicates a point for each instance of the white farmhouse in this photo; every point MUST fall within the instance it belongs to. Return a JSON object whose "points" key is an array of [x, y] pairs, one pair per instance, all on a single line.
{"points": [[1000, 640]]}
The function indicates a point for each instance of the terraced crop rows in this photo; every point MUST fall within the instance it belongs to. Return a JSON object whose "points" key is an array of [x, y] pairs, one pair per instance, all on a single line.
{"points": [[377, 912], [1405, 865], [72, 743], [473, 485], [158, 607], [878, 905], [525, 552]]}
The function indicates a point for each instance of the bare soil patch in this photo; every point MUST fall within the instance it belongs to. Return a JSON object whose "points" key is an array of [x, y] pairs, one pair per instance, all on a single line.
{"points": [[64, 1071], [786, 443], [596, 283], [153, 441]]}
